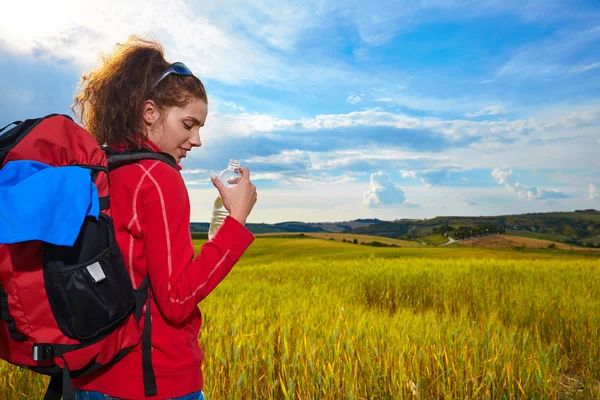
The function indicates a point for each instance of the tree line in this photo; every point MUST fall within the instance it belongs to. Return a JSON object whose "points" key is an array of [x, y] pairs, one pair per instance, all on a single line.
{"points": [[468, 231]]}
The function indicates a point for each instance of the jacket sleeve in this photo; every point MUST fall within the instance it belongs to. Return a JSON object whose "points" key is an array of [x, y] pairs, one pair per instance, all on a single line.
{"points": [[179, 281]]}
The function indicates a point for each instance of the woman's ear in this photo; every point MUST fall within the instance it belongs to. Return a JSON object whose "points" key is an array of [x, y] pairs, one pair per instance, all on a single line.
{"points": [[150, 112]]}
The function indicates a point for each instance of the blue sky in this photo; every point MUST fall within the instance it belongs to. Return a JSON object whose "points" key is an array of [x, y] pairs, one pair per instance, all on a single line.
{"points": [[353, 109]]}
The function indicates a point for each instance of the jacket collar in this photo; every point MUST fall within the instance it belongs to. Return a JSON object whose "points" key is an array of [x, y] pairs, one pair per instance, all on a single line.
{"points": [[150, 145], [157, 149]]}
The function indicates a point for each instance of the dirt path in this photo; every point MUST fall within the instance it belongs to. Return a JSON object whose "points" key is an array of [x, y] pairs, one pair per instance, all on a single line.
{"points": [[450, 241]]}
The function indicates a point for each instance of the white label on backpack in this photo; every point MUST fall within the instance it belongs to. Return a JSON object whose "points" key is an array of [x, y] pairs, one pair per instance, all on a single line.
{"points": [[96, 272]]}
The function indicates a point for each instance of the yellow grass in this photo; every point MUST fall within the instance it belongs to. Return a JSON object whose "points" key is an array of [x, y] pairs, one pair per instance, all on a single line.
{"points": [[318, 319], [348, 236], [515, 241]]}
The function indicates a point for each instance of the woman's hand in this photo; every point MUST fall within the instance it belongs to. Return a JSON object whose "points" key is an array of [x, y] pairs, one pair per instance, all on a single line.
{"points": [[239, 199]]}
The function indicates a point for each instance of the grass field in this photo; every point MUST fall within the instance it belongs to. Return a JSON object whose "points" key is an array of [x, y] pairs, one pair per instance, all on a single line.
{"points": [[317, 319], [516, 241], [347, 236], [433, 239], [536, 235]]}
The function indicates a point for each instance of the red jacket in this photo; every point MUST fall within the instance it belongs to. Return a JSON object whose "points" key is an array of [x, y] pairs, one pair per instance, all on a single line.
{"points": [[151, 213]]}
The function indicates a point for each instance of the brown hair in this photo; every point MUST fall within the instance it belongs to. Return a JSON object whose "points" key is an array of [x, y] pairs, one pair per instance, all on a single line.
{"points": [[110, 99]]}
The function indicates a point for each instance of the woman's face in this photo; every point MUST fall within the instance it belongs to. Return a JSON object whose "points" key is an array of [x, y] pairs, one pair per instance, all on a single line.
{"points": [[179, 130]]}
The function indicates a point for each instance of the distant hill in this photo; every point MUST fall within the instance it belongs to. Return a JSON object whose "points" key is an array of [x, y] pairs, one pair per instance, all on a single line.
{"points": [[295, 226], [350, 238], [581, 227], [516, 242]]}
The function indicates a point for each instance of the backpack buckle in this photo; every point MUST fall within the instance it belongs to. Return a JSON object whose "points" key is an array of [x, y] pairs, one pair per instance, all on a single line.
{"points": [[41, 352]]}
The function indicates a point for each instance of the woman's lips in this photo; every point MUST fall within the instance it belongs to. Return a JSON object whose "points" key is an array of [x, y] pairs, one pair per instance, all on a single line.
{"points": [[183, 152]]}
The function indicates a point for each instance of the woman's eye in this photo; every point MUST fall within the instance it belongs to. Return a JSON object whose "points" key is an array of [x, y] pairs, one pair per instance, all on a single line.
{"points": [[188, 127]]}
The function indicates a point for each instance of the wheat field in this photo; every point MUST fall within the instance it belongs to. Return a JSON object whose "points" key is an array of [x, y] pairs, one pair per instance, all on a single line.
{"points": [[318, 319]]}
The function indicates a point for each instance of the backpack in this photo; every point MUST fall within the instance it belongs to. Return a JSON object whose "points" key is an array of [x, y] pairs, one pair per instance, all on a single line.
{"points": [[67, 311]]}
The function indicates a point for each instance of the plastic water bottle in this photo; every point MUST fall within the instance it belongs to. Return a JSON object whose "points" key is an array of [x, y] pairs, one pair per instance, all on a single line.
{"points": [[219, 211]]}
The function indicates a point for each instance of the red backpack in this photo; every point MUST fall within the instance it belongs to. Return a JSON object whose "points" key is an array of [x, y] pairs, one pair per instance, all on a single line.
{"points": [[57, 317]]}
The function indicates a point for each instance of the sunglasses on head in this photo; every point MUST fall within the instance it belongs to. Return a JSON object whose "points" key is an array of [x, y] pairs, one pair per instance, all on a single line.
{"points": [[178, 68]]}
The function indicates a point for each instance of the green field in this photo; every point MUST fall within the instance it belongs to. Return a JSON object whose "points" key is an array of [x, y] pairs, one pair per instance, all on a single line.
{"points": [[534, 235], [433, 239], [318, 319]]}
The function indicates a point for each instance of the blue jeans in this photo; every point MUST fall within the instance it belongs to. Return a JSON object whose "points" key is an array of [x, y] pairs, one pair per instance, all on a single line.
{"points": [[89, 395]]}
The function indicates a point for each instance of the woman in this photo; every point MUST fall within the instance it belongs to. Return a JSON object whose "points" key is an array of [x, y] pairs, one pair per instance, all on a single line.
{"points": [[136, 99]]}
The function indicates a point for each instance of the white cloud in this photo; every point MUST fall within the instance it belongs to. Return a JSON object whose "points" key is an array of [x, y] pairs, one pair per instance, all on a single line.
{"points": [[234, 106], [380, 21], [319, 179], [558, 124], [196, 182], [193, 171], [593, 193], [245, 124], [384, 100], [493, 142], [432, 176], [464, 201], [251, 42], [285, 158], [214, 44], [506, 178], [315, 161], [491, 110], [256, 176], [382, 191], [527, 153], [552, 56], [268, 176], [63, 29], [285, 204], [277, 24], [455, 104], [583, 68], [354, 99], [488, 81]]}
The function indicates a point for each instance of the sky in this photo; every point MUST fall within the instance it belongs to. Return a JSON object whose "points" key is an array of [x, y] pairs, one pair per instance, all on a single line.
{"points": [[352, 109]]}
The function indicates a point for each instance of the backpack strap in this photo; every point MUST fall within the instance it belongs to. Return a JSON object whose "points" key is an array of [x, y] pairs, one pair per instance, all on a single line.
{"points": [[142, 296], [116, 159], [12, 123], [5, 316], [60, 386], [147, 369], [55, 388]]}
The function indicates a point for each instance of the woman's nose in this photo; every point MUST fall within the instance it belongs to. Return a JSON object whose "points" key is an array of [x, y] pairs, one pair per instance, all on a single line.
{"points": [[195, 139]]}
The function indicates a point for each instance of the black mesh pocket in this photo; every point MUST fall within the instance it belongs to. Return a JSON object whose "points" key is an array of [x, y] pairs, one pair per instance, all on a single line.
{"points": [[88, 286]]}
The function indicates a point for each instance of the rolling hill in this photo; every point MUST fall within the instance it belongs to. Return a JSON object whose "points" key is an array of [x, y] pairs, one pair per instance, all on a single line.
{"points": [[296, 226], [343, 237], [579, 228], [517, 242]]}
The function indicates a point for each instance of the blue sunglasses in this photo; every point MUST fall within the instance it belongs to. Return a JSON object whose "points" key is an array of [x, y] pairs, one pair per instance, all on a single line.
{"points": [[178, 68]]}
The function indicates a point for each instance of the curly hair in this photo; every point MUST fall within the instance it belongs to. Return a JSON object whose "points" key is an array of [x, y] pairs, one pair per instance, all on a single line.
{"points": [[110, 99]]}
